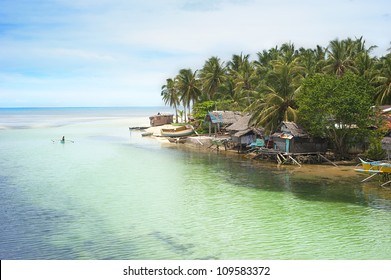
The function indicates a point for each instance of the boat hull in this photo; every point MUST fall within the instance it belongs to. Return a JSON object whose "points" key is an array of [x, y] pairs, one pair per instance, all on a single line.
{"points": [[375, 167], [178, 134]]}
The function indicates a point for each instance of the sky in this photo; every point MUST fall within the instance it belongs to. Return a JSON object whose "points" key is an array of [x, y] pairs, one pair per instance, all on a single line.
{"points": [[59, 53]]}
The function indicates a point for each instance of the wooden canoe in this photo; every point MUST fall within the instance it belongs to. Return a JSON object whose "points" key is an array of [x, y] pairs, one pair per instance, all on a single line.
{"points": [[177, 131]]}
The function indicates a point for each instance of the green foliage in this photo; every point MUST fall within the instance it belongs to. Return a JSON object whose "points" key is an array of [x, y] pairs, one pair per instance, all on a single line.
{"points": [[200, 109], [375, 150], [338, 108], [225, 105], [268, 86]]}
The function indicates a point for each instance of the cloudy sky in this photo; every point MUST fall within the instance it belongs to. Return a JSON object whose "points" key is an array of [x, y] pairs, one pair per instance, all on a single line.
{"points": [[119, 52]]}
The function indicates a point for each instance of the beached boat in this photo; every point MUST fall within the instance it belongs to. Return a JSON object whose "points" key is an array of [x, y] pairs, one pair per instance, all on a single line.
{"points": [[144, 134], [176, 131], [375, 166], [177, 140]]}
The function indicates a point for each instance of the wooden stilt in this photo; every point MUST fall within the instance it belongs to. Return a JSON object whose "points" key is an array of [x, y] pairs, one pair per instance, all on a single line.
{"points": [[281, 155], [278, 159], [326, 159], [295, 161], [388, 182], [368, 178]]}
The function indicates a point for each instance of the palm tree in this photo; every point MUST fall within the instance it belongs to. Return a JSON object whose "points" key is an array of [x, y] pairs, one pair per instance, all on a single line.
{"points": [[244, 76], [288, 52], [188, 88], [339, 57], [212, 76], [312, 60], [365, 66], [383, 81], [236, 62], [170, 96], [280, 90]]}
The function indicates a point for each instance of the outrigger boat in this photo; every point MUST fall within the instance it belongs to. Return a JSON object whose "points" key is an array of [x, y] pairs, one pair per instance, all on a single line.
{"points": [[179, 131], [375, 168]]}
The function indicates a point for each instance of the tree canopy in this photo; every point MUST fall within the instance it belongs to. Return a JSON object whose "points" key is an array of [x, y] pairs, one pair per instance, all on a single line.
{"points": [[338, 108], [269, 87]]}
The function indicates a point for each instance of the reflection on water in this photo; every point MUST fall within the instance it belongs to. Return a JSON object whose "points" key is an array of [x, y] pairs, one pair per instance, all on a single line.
{"points": [[115, 195]]}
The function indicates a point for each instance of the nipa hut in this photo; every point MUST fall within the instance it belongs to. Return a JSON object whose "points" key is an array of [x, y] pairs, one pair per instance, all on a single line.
{"points": [[291, 138], [219, 120], [243, 134]]}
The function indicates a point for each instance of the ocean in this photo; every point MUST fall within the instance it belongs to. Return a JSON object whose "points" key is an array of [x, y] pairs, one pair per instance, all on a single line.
{"points": [[108, 193]]}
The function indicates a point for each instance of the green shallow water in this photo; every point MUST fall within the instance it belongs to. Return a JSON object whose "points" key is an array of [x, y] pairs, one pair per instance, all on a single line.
{"points": [[115, 195]]}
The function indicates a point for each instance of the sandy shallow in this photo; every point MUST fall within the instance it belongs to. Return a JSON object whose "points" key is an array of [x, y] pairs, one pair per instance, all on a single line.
{"points": [[306, 171], [326, 170]]}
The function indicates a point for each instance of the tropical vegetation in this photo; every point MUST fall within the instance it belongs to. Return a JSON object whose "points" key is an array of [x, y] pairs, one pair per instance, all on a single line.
{"points": [[286, 83]]}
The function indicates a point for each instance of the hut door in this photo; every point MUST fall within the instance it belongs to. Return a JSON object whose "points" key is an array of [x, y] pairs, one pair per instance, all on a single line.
{"points": [[287, 145]]}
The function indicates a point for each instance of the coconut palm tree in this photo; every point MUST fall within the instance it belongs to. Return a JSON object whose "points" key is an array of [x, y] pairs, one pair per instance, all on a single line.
{"points": [[383, 80], [312, 60], [212, 76], [170, 96], [278, 103], [244, 77], [188, 88], [365, 66], [339, 57]]}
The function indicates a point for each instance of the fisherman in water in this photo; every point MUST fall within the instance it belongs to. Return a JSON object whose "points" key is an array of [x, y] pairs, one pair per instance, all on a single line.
{"points": [[63, 139]]}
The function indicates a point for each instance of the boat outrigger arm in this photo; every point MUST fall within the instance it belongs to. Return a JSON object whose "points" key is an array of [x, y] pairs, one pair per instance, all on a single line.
{"points": [[375, 168]]}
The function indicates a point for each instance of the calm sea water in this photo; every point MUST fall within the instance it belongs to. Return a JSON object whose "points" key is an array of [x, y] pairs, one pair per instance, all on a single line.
{"points": [[115, 195]]}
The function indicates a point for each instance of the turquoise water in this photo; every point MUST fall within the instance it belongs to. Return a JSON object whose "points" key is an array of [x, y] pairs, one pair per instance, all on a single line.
{"points": [[115, 195]]}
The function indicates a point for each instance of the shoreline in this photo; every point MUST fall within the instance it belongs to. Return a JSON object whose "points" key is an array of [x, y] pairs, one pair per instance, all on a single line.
{"points": [[327, 171]]}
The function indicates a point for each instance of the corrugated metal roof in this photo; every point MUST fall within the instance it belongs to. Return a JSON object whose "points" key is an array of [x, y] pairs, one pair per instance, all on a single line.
{"points": [[224, 117]]}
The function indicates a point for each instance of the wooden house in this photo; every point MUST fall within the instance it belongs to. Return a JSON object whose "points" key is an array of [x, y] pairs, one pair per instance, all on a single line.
{"points": [[386, 144], [243, 134], [291, 138], [161, 119], [220, 120]]}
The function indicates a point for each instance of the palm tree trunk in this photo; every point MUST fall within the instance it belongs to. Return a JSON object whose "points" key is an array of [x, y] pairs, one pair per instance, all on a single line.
{"points": [[184, 111], [176, 114]]}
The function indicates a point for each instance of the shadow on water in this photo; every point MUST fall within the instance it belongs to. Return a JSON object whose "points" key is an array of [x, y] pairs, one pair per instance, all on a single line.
{"points": [[22, 227], [175, 246], [312, 187], [172, 244]]}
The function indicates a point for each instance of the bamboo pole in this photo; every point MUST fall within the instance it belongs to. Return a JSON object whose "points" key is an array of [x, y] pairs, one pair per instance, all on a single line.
{"points": [[295, 161], [327, 160], [366, 179]]}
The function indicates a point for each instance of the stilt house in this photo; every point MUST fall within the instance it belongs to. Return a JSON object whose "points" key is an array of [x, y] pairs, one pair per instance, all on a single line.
{"points": [[291, 138], [220, 120], [243, 134]]}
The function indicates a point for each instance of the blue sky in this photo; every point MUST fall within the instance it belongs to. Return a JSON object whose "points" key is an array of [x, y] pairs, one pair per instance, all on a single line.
{"points": [[119, 52]]}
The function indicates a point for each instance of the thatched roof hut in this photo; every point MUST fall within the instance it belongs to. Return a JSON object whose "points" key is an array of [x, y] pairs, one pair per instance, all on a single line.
{"points": [[293, 129], [291, 138], [241, 124], [221, 119], [243, 133]]}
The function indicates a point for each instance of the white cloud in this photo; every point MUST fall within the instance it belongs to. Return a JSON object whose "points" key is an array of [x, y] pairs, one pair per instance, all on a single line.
{"points": [[119, 51]]}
